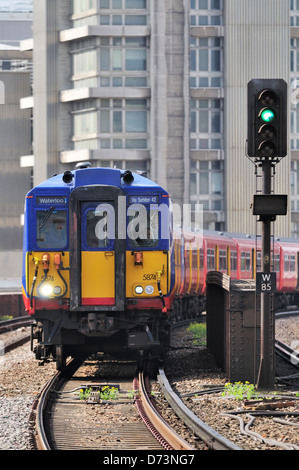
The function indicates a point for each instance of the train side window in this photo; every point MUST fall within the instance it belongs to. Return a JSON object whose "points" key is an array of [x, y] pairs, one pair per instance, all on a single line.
{"points": [[245, 261], [201, 258], [292, 263], [248, 263], [277, 262], [211, 259], [233, 260], [286, 262], [243, 258], [51, 229], [222, 260], [259, 261]]}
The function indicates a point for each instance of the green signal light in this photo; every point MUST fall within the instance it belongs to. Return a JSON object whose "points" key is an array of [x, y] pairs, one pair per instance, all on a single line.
{"points": [[267, 115]]}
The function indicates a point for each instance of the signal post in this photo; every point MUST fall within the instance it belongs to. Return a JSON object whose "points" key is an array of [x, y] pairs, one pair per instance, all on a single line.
{"points": [[267, 145]]}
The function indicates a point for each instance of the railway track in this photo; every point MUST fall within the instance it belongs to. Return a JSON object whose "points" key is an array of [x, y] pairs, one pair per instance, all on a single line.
{"points": [[14, 323], [64, 422], [10, 326], [213, 439], [67, 398]]}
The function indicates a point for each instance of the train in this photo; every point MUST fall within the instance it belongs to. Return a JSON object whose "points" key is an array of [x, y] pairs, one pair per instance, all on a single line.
{"points": [[105, 269]]}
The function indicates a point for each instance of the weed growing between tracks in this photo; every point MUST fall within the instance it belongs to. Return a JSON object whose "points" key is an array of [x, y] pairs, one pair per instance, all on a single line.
{"points": [[199, 332], [239, 390]]}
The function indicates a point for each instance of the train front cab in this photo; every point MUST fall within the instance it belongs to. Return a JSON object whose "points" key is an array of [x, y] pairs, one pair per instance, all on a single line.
{"points": [[121, 283], [114, 296]]}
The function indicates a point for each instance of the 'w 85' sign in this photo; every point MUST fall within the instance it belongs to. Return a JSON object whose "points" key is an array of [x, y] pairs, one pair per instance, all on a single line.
{"points": [[266, 282]]}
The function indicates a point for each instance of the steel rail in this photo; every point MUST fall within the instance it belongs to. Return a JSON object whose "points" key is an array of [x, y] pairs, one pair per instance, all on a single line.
{"points": [[14, 323], [15, 344], [40, 404], [287, 353], [212, 438], [167, 433], [41, 437]]}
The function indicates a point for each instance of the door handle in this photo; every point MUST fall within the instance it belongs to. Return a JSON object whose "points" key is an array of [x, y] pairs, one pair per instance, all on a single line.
{"points": [[109, 253]]}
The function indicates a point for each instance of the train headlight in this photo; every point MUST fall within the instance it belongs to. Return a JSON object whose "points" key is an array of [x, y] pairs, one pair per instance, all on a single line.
{"points": [[57, 290], [46, 290], [138, 290], [149, 289]]}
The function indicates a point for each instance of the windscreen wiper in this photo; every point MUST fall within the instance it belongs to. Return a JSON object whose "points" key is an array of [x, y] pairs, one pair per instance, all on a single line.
{"points": [[46, 218]]}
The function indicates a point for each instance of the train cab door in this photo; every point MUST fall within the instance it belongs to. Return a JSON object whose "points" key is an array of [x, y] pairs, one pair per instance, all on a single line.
{"points": [[97, 253]]}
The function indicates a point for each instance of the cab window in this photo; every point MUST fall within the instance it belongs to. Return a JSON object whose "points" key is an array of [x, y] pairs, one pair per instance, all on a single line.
{"points": [[143, 227], [98, 225], [51, 229]]}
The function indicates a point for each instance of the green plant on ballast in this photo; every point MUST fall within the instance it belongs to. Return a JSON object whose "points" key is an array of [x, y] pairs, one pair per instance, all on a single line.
{"points": [[199, 332], [109, 393], [84, 393], [239, 390], [6, 317]]}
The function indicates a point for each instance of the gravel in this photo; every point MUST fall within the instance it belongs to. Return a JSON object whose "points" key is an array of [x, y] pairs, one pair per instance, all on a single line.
{"points": [[203, 373], [21, 379]]}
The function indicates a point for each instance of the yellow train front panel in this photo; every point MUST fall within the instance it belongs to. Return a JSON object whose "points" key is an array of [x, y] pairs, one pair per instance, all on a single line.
{"points": [[98, 277], [49, 285], [144, 271]]}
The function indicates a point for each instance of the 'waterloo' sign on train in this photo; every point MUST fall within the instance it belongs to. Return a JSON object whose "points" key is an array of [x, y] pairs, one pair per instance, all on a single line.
{"points": [[51, 200]]}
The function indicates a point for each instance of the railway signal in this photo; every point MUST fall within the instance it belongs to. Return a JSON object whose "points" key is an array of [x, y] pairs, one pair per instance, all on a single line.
{"points": [[267, 145], [267, 119]]}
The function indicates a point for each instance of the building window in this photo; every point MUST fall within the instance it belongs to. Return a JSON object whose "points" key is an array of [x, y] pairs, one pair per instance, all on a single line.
{"points": [[124, 61], [294, 6], [206, 184], [123, 4], [81, 6], [295, 229], [110, 62], [206, 12], [121, 12], [294, 186], [111, 124], [140, 166], [85, 62], [124, 123], [206, 62], [206, 124], [294, 78], [110, 12]]}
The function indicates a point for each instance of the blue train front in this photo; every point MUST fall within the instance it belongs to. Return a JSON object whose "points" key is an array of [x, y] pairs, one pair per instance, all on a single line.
{"points": [[97, 263]]}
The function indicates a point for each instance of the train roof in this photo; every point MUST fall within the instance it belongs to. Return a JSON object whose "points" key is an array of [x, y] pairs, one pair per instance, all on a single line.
{"points": [[85, 175], [232, 235], [248, 237]]}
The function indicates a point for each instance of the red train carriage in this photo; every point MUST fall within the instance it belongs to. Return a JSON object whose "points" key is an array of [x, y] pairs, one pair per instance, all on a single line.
{"points": [[287, 276], [221, 253]]}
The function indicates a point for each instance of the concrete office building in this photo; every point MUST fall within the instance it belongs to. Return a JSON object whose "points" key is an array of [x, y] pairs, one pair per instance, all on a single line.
{"points": [[161, 86], [15, 131]]}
